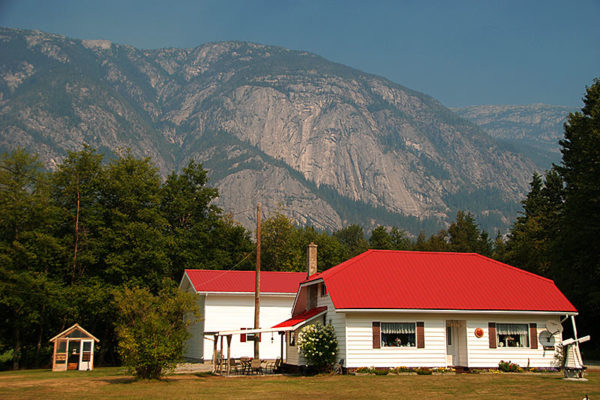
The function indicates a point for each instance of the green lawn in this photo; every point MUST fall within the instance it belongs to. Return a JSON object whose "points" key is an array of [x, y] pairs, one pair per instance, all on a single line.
{"points": [[104, 383]]}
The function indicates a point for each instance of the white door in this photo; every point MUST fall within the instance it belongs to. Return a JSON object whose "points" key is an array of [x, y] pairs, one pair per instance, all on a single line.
{"points": [[86, 355], [456, 343], [451, 347]]}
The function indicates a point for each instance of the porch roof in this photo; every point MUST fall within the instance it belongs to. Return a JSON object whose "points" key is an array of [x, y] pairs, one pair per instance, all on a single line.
{"points": [[294, 322]]}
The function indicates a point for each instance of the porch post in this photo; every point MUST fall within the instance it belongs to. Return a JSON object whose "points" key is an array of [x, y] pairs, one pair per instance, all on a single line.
{"points": [[228, 354], [221, 357], [215, 354], [282, 339]]}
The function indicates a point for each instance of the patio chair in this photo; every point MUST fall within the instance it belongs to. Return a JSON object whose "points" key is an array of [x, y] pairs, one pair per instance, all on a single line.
{"points": [[270, 366], [277, 365], [255, 366], [245, 364], [233, 366]]}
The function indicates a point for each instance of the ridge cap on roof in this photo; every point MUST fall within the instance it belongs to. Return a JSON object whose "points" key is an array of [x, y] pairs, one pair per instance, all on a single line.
{"points": [[340, 267]]}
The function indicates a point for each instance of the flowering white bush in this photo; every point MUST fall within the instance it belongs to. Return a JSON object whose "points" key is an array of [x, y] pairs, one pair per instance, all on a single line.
{"points": [[319, 345]]}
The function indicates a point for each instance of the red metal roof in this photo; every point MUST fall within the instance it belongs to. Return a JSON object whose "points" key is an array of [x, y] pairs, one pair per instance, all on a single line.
{"points": [[386, 279], [298, 319], [243, 281]]}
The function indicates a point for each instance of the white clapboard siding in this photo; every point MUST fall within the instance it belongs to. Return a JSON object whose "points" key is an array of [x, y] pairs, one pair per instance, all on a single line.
{"points": [[338, 321], [232, 312], [293, 356], [359, 342], [360, 352], [481, 356], [194, 348]]}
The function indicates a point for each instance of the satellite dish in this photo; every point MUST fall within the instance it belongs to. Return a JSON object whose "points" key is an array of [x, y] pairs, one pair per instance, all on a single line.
{"points": [[553, 326], [547, 339]]}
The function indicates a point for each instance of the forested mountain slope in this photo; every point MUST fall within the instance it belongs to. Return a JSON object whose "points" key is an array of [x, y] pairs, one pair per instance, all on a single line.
{"points": [[329, 144]]}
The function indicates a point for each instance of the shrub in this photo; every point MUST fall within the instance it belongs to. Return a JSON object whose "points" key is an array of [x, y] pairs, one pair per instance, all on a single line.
{"points": [[365, 370], [384, 371], [151, 329], [424, 371], [509, 367], [442, 370], [319, 345]]}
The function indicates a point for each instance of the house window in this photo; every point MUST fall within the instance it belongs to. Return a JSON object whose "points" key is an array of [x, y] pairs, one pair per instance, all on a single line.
{"points": [[512, 335], [398, 334], [251, 337], [323, 290], [292, 336], [449, 335]]}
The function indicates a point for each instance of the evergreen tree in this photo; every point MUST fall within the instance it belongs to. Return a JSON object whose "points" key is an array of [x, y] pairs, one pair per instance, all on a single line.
{"points": [[198, 235], [578, 256], [29, 256], [352, 239], [380, 239], [465, 236], [279, 248], [531, 241]]}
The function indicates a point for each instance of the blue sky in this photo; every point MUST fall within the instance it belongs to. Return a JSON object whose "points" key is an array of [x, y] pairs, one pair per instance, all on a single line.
{"points": [[462, 52]]}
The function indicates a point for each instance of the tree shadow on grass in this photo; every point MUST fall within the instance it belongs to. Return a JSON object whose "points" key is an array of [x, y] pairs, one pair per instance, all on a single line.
{"points": [[122, 381]]}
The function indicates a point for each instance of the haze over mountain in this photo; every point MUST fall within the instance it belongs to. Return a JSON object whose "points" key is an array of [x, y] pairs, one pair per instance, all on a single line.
{"points": [[329, 144], [535, 128]]}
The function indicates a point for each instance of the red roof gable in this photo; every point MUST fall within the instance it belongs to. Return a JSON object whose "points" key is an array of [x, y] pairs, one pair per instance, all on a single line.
{"points": [[386, 279], [298, 319], [243, 281]]}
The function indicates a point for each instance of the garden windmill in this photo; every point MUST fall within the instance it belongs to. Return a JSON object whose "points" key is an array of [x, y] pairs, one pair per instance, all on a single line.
{"points": [[573, 366]]}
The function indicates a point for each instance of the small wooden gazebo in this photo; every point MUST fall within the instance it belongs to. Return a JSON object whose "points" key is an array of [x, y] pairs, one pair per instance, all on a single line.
{"points": [[73, 350]]}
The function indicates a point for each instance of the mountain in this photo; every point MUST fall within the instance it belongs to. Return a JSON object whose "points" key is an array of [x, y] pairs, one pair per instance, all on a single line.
{"points": [[534, 128], [328, 144]]}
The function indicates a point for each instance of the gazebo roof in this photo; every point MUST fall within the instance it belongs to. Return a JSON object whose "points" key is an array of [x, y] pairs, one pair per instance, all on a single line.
{"points": [[73, 329]]}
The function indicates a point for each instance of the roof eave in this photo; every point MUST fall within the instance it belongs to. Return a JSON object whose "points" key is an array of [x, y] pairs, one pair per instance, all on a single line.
{"points": [[442, 311], [286, 294]]}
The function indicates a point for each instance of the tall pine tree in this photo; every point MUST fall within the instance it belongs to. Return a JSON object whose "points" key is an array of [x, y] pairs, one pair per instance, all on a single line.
{"points": [[578, 262]]}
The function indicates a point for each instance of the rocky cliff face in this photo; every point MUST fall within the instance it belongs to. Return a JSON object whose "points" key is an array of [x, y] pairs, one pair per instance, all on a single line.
{"points": [[535, 128], [329, 144]]}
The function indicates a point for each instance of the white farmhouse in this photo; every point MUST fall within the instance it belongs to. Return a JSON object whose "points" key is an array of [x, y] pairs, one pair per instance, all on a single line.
{"points": [[424, 309], [226, 302]]}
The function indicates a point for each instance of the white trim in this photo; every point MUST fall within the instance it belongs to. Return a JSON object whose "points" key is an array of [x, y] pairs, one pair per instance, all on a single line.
{"points": [[280, 294], [300, 286], [249, 331], [433, 311], [73, 327], [185, 275], [311, 282]]}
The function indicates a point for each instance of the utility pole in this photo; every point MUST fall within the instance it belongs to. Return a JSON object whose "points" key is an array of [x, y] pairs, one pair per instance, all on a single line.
{"points": [[257, 286]]}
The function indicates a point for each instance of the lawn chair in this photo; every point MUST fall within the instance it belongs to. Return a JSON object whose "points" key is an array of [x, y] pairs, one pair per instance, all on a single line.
{"points": [[255, 366], [233, 366], [277, 365], [245, 363], [270, 367]]}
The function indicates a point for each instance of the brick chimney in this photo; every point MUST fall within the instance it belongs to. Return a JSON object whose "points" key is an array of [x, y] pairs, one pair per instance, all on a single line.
{"points": [[311, 260]]}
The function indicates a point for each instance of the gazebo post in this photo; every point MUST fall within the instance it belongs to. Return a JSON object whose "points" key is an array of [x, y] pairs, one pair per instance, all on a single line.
{"points": [[228, 354]]}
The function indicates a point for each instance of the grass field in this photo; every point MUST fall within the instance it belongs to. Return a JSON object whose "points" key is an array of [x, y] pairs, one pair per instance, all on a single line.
{"points": [[111, 383]]}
